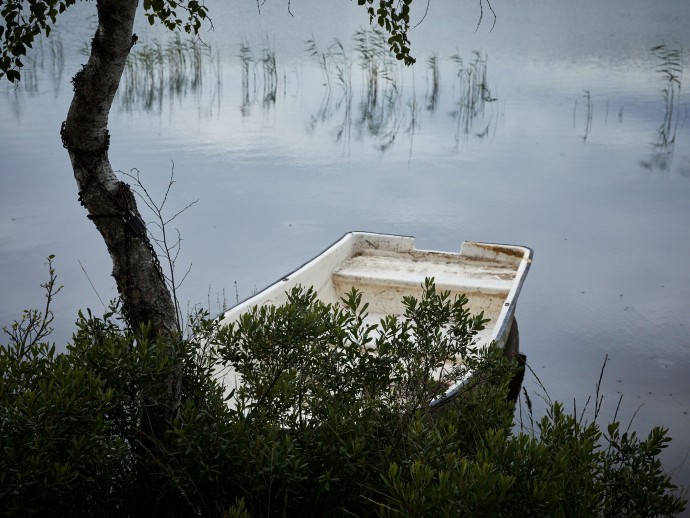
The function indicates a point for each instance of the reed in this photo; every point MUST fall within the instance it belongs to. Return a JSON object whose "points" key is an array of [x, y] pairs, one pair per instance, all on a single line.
{"points": [[433, 82], [246, 61], [57, 59], [322, 58], [342, 65], [335, 65], [381, 103], [46, 57], [260, 78], [270, 74], [385, 106], [670, 68], [472, 93], [158, 71], [379, 71], [589, 114]]}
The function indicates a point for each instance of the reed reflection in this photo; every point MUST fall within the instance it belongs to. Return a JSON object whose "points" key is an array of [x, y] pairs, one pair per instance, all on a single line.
{"points": [[670, 68], [45, 61], [388, 105], [156, 73], [472, 95]]}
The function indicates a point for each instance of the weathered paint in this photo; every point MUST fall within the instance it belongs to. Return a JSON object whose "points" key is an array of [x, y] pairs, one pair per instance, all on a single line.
{"points": [[385, 268]]}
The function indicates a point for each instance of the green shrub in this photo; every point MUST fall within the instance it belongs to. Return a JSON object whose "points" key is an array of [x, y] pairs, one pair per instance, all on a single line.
{"points": [[61, 448], [571, 469], [331, 417], [329, 400]]}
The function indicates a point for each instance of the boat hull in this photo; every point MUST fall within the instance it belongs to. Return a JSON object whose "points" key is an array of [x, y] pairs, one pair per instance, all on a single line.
{"points": [[386, 268]]}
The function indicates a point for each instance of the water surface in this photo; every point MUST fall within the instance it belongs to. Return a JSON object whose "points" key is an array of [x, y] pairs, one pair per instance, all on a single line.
{"points": [[570, 159]]}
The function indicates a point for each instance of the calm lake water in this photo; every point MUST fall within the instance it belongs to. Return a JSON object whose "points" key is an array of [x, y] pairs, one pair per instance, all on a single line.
{"points": [[574, 150]]}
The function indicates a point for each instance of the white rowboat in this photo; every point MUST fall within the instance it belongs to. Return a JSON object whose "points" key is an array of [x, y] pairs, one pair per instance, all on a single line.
{"points": [[385, 268]]}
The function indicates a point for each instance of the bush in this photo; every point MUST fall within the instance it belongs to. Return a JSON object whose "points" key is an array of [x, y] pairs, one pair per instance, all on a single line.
{"points": [[331, 416]]}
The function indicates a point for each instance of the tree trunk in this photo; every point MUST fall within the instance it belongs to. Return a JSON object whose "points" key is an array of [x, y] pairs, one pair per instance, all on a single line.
{"points": [[110, 202]]}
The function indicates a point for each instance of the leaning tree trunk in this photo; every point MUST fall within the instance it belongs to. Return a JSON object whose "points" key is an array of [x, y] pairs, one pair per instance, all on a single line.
{"points": [[110, 202]]}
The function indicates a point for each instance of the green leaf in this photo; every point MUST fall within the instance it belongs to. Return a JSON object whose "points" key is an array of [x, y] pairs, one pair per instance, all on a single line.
{"points": [[13, 75]]}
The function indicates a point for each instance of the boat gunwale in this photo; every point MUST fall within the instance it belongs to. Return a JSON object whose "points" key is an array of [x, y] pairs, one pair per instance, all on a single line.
{"points": [[504, 318], [526, 257]]}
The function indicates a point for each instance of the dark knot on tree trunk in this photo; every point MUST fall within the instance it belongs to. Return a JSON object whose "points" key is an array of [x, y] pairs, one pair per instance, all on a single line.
{"points": [[93, 154]]}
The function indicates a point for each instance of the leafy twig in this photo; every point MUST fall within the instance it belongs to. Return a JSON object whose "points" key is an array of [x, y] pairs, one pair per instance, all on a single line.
{"points": [[35, 325]]}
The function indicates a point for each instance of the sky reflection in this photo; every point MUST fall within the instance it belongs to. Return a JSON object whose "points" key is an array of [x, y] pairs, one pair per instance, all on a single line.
{"points": [[278, 181]]}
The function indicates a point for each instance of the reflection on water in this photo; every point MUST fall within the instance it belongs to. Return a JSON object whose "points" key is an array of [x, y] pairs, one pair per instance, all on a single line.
{"points": [[433, 77], [157, 73], [45, 61], [670, 68], [366, 94], [381, 112], [472, 95], [383, 107], [284, 149], [336, 70], [588, 114], [388, 105]]}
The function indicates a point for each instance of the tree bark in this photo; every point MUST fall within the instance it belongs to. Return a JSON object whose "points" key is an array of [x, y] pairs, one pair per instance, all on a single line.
{"points": [[111, 204]]}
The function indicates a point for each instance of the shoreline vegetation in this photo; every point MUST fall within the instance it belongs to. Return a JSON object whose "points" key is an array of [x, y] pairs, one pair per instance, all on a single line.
{"points": [[318, 425]]}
